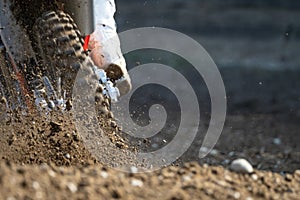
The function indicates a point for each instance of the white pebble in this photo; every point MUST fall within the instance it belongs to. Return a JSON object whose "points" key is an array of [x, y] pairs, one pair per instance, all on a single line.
{"points": [[186, 178], [67, 156], [241, 166], [214, 152], [254, 177], [104, 174], [236, 195], [35, 185], [134, 169], [277, 141], [72, 187], [226, 162], [52, 173], [232, 153], [204, 149], [137, 183]]}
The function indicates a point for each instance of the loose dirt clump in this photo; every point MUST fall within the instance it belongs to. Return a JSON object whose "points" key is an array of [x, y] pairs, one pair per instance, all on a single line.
{"points": [[52, 138]]}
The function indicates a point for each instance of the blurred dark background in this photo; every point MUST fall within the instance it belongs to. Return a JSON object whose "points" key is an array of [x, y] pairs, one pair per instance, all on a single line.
{"points": [[255, 44]]}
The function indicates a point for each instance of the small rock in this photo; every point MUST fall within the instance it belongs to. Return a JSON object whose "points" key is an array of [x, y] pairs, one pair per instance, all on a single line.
{"points": [[237, 195], [72, 187], [35, 185], [52, 173], [134, 169], [226, 162], [154, 145], [214, 152], [254, 177], [67, 156], [277, 141], [186, 178], [55, 126], [222, 183], [137, 183], [44, 167], [232, 153], [113, 124], [228, 178], [104, 174], [203, 149], [288, 177], [3, 100], [241, 166]]}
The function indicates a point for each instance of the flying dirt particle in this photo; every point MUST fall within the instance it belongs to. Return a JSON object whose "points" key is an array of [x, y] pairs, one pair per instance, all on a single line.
{"points": [[11, 139], [3, 100], [55, 127], [113, 124]]}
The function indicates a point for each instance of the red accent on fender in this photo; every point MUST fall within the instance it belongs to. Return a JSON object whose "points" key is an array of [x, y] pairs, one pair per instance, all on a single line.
{"points": [[22, 82], [86, 42]]}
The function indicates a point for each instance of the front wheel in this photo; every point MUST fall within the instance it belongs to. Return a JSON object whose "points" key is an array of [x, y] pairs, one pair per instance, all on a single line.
{"points": [[60, 54]]}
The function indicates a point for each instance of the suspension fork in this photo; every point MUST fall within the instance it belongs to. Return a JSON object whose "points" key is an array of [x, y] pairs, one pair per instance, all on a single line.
{"points": [[19, 76]]}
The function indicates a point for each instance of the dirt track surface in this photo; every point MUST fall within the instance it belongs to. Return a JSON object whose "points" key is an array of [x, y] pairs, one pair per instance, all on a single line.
{"points": [[45, 158], [189, 182]]}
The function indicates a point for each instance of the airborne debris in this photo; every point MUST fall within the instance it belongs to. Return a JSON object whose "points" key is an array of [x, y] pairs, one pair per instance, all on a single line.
{"points": [[55, 127]]}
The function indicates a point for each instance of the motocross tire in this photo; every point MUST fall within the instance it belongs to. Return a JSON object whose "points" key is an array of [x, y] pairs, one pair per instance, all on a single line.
{"points": [[59, 47]]}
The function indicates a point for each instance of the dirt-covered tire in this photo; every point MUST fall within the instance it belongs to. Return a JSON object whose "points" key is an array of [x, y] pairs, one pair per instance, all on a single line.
{"points": [[59, 48], [60, 51]]}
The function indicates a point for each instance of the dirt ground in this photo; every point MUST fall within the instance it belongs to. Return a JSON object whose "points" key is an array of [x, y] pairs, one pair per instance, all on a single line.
{"points": [[45, 158]]}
